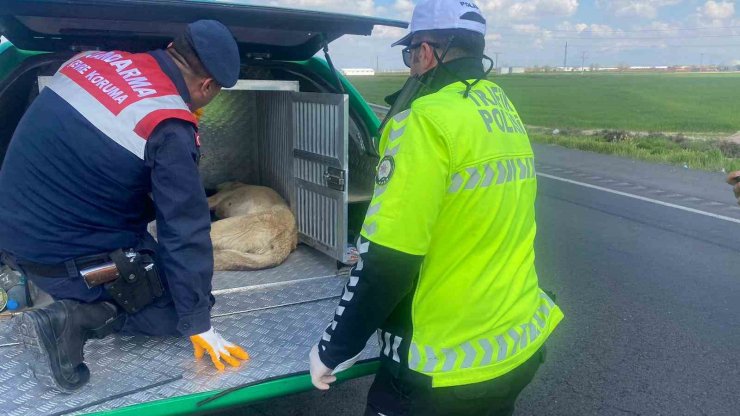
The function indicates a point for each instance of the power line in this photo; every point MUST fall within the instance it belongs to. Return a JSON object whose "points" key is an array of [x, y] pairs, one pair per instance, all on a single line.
{"points": [[607, 38], [585, 43], [612, 38], [625, 31], [665, 46]]}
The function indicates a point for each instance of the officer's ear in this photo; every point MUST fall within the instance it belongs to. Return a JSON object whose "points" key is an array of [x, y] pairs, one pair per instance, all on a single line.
{"points": [[426, 56], [209, 87]]}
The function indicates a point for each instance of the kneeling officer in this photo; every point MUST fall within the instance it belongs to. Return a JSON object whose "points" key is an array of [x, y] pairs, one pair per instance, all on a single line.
{"points": [[110, 145]]}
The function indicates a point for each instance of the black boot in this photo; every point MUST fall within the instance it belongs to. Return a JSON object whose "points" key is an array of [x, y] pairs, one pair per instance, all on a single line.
{"points": [[55, 336]]}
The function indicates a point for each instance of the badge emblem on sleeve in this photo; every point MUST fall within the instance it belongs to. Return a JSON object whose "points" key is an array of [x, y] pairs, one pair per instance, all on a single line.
{"points": [[385, 170]]}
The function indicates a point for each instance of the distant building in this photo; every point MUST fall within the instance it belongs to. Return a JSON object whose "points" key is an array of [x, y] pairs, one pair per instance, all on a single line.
{"points": [[506, 70], [573, 69], [405, 71], [358, 71]]}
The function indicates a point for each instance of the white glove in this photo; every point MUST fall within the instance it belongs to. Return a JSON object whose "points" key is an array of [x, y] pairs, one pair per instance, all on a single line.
{"points": [[218, 348], [321, 375]]}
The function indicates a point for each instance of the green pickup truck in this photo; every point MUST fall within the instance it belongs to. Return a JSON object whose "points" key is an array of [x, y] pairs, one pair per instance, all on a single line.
{"points": [[292, 122]]}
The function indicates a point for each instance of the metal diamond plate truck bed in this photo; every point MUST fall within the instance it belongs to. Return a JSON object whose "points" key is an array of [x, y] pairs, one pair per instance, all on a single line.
{"points": [[275, 314]]}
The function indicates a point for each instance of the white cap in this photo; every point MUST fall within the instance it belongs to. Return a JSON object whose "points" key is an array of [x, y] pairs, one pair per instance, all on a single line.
{"points": [[445, 14]]}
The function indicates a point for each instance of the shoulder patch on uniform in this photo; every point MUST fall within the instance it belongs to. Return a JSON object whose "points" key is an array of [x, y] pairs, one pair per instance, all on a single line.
{"points": [[385, 170]]}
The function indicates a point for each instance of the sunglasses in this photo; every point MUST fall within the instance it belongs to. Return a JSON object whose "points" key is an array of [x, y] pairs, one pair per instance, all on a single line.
{"points": [[406, 52]]}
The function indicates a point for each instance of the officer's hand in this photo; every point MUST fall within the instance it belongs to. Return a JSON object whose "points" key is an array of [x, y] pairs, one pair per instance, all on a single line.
{"points": [[321, 375], [218, 348], [734, 180]]}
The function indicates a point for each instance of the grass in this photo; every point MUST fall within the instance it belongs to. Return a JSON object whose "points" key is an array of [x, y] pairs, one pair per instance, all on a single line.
{"points": [[374, 89], [711, 155], [676, 103], [645, 102]]}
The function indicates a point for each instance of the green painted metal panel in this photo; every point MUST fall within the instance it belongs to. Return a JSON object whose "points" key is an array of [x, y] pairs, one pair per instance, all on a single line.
{"points": [[255, 393], [11, 57]]}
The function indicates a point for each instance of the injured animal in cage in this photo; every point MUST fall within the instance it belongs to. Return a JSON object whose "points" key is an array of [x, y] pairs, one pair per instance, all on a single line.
{"points": [[255, 228]]}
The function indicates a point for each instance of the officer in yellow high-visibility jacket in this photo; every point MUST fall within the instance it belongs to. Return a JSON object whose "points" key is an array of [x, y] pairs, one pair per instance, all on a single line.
{"points": [[447, 275]]}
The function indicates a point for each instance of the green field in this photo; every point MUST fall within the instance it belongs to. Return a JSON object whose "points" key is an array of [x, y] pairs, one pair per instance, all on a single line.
{"points": [[695, 105], [645, 102]]}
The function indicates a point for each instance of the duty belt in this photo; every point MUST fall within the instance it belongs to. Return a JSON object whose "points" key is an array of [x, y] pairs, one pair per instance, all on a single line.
{"points": [[69, 268]]}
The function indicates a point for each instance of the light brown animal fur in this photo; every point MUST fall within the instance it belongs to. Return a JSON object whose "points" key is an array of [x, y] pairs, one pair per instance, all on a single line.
{"points": [[256, 229]]}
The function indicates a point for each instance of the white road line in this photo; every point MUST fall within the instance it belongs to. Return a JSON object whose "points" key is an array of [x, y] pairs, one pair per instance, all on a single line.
{"points": [[641, 198]]}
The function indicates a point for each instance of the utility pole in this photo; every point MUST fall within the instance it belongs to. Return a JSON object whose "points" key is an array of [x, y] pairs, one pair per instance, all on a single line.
{"points": [[701, 65], [583, 62], [565, 60], [495, 62], [377, 64]]}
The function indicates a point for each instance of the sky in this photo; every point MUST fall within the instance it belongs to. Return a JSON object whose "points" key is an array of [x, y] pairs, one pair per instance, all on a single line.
{"points": [[534, 32]]}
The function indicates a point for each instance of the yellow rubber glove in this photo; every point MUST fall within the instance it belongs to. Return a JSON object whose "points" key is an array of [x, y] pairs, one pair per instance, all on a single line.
{"points": [[218, 348]]}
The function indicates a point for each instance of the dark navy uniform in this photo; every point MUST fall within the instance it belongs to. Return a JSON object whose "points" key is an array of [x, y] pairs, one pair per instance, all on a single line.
{"points": [[68, 191]]}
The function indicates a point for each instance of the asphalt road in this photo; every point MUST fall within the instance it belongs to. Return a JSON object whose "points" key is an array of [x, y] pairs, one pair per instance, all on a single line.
{"points": [[649, 280]]}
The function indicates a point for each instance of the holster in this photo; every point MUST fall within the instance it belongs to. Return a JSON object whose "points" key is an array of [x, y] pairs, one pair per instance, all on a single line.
{"points": [[137, 283]]}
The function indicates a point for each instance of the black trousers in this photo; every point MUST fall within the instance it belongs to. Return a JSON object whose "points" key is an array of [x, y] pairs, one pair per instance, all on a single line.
{"points": [[158, 319], [411, 393]]}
